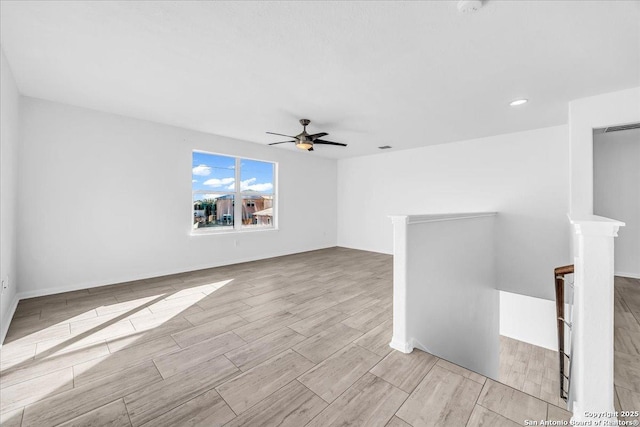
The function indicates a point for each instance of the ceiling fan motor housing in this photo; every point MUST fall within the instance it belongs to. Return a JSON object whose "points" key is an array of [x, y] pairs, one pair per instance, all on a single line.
{"points": [[303, 137]]}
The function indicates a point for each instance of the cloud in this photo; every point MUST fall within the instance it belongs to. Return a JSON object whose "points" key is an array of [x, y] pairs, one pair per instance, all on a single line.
{"points": [[194, 180], [206, 197], [248, 184], [202, 170], [267, 186], [216, 182], [244, 185]]}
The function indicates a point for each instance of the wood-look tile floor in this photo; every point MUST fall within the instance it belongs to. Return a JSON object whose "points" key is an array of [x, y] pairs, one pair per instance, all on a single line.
{"points": [[531, 369], [627, 344], [296, 340], [534, 370]]}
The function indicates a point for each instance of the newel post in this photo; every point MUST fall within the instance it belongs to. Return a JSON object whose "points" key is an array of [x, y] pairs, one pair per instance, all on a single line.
{"points": [[591, 388], [400, 338]]}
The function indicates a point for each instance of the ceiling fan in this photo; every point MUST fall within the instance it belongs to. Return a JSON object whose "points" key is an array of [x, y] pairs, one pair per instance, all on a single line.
{"points": [[304, 140]]}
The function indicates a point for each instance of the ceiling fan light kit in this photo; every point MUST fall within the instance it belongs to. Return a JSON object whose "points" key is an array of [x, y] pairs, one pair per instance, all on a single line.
{"points": [[304, 140]]}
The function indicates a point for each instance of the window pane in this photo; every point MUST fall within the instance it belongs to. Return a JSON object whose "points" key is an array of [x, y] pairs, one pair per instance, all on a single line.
{"points": [[211, 172], [257, 211], [215, 188], [256, 176], [212, 210]]}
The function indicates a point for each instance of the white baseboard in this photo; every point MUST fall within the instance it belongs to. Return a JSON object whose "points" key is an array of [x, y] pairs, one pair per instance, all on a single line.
{"points": [[417, 344], [8, 318], [625, 274], [365, 249], [404, 347], [88, 285], [80, 286]]}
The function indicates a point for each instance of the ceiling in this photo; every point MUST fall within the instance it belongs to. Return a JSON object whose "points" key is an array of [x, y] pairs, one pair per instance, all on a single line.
{"points": [[405, 74]]}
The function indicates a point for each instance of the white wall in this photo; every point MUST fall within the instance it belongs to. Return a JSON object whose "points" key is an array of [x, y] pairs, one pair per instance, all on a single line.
{"points": [[524, 176], [450, 289], [586, 114], [529, 319], [616, 193], [9, 141], [87, 177]]}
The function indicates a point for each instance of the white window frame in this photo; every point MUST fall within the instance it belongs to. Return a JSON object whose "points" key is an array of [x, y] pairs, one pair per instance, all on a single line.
{"points": [[238, 227]]}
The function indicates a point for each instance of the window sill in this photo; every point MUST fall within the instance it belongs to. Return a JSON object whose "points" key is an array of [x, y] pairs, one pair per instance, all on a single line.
{"points": [[204, 232]]}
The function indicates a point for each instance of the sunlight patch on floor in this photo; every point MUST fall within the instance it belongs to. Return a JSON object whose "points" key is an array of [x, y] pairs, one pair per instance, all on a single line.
{"points": [[120, 325]]}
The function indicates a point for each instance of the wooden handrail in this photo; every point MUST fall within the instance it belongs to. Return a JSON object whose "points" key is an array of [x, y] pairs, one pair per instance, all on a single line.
{"points": [[558, 276]]}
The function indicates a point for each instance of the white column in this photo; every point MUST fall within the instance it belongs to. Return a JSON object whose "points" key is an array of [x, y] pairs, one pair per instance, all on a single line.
{"points": [[400, 338], [591, 387]]}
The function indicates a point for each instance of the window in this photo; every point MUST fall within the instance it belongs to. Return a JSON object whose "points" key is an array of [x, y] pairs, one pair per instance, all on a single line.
{"points": [[218, 181]]}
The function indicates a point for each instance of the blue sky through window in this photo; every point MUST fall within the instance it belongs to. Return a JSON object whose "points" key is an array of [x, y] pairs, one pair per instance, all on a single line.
{"points": [[216, 174]]}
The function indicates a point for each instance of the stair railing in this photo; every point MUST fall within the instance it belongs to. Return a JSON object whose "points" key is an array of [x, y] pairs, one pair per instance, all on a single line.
{"points": [[559, 274]]}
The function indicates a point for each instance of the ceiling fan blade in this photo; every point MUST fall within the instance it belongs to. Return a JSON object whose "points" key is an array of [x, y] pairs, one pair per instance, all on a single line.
{"points": [[282, 142], [273, 133], [318, 135], [320, 141]]}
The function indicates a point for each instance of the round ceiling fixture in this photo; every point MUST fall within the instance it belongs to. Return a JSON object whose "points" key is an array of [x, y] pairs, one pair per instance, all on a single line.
{"points": [[469, 6], [518, 102]]}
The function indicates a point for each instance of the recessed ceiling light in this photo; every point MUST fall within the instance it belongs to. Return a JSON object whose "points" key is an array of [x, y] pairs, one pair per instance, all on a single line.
{"points": [[518, 102]]}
